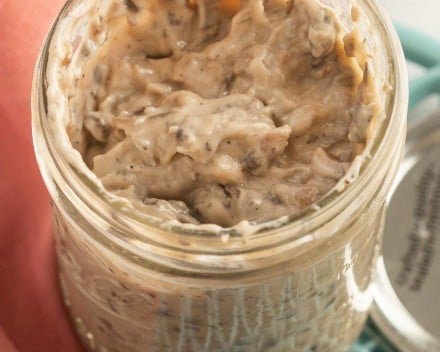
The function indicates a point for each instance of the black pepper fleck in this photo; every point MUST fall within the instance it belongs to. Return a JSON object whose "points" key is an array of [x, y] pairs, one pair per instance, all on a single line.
{"points": [[131, 6], [250, 162], [179, 134]]}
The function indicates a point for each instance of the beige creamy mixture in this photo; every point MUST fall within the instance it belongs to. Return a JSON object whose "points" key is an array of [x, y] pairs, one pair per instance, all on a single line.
{"points": [[223, 111]]}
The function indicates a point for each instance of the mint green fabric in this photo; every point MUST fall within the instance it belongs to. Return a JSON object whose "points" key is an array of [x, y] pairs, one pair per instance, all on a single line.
{"points": [[372, 340], [423, 50]]}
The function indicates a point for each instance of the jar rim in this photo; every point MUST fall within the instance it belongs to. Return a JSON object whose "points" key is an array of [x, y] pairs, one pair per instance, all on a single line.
{"points": [[293, 227]]}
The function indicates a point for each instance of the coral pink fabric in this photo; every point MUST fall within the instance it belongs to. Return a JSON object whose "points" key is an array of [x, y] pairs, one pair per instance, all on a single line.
{"points": [[32, 317]]}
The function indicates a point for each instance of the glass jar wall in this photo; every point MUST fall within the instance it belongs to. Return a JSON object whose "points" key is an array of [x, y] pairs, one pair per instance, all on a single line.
{"points": [[303, 285]]}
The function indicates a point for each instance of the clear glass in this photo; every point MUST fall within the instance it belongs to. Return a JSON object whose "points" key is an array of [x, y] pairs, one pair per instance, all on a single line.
{"points": [[299, 286]]}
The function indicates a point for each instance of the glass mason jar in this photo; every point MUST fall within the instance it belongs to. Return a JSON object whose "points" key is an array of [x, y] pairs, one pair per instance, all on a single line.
{"points": [[301, 285]]}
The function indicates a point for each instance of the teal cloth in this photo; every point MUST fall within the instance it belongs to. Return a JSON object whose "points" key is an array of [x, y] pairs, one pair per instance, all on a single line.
{"points": [[372, 340], [423, 50]]}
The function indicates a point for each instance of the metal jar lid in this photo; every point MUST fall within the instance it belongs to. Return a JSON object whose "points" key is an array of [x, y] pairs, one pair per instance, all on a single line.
{"points": [[407, 289]]}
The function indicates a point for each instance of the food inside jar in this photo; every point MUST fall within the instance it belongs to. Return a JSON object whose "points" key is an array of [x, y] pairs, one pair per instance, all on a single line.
{"points": [[223, 111]]}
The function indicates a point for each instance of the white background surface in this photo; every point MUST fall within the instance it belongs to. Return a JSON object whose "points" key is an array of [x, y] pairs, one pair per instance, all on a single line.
{"points": [[423, 15]]}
